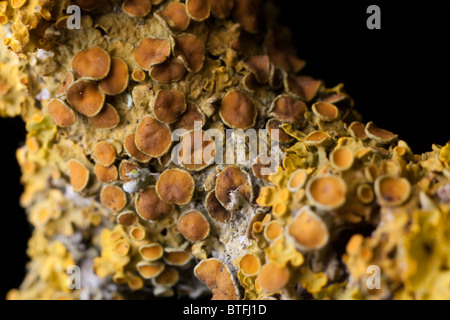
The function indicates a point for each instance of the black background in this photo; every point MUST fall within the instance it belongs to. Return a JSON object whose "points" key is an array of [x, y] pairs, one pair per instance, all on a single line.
{"points": [[398, 77]]}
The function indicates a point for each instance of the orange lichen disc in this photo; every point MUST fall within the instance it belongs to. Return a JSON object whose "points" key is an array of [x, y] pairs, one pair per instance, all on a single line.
{"points": [[237, 111], [391, 190], [326, 191], [276, 132], [174, 17], [216, 275], [303, 87], [249, 264], [197, 150], [198, 10], [215, 209], [297, 180], [177, 258], [125, 167], [168, 278], [130, 147], [247, 14], [260, 67], [169, 71], [151, 251], [113, 197], [151, 51], [342, 158], [61, 114], [308, 231], [357, 130], [153, 138], [137, 8], [190, 50], [189, 118], [127, 218], [85, 97], [379, 135], [230, 180], [287, 108], [150, 270], [79, 175], [106, 174], [272, 278], [193, 226], [68, 79], [149, 206], [104, 153], [107, 118], [325, 111], [93, 63], [175, 186], [117, 80], [168, 105]]}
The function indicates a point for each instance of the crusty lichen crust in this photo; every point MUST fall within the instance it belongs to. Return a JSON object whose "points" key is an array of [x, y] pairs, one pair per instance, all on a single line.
{"points": [[102, 192]]}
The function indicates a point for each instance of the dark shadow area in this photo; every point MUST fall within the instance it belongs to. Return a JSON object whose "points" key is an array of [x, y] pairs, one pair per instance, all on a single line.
{"points": [[398, 76], [14, 228]]}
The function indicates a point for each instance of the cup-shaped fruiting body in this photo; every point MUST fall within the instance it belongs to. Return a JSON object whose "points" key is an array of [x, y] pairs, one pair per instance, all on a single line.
{"points": [[177, 258], [107, 118], [149, 206], [113, 197], [257, 218], [392, 191], [276, 132], [259, 66], [357, 130], [137, 8], [151, 51], [79, 175], [151, 251], [215, 209], [381, 136], [303, 87], [190, 50], [127, 218], [61, 114], [117, 80], [138, 233], [288, 109], [122, 247], [237, 110], [272, 278], [198, 10], [273, 230], [138, 75], [93, 63], [153, 138], [175, 186], [319, 138], [365, 194], [325, 111], [171, 70], [231, 181], [85, 97], [174, 17], [262, 161], [106, 174], [249, 264], [297, 180], [168, 105], [217, 277], [190, 118], [247, 14], [67, 81], [342, 158], [193, 226], [126, 168], [307, 230], [326, 191], [150, 270], [197, 150], [130, 148], [168, 278], [104, 153]]}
